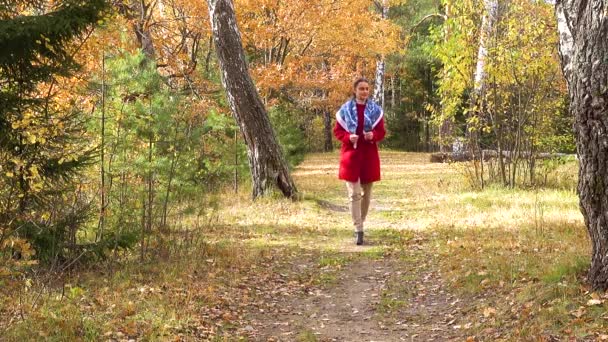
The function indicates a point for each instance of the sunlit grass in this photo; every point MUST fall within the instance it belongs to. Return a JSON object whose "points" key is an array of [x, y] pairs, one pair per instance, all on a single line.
{"points": [[518, 241]]}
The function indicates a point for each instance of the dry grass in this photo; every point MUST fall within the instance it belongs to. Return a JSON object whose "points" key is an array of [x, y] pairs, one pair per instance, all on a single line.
{"points": [[522, 251]]}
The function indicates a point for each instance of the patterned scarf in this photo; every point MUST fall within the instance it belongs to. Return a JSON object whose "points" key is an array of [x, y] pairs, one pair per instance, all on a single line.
{"points": [[347, 116]]}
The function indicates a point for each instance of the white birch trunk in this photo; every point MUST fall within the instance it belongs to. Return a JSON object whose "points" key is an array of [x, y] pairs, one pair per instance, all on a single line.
{"points": [[380, 66], [487, 26]]}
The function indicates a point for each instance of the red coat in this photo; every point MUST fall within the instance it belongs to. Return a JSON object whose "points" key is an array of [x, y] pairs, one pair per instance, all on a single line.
{"points": [[363, 162]]}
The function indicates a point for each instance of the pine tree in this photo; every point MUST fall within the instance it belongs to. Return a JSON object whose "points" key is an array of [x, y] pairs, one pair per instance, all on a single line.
{"points": [[42, 144]]}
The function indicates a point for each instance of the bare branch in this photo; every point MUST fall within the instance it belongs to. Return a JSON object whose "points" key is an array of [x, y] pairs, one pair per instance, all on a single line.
{"points": [[432, 15]]}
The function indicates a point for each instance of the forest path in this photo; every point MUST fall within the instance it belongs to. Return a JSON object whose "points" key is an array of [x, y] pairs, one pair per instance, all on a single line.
{"points": [[389, 289]]}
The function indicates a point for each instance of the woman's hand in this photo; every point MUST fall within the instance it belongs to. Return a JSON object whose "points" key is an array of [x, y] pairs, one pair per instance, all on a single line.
{"points": [[353, 139], [369, 136]]}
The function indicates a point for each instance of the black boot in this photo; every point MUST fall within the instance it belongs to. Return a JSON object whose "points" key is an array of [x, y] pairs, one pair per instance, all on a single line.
{"points": [[359, 238]]}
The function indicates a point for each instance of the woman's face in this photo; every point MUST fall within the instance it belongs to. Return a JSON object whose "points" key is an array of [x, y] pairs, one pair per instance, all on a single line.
{"points": [[362, 91]]}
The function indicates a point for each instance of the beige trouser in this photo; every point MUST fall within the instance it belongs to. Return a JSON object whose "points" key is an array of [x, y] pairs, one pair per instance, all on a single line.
{"points": [[359, 196]]}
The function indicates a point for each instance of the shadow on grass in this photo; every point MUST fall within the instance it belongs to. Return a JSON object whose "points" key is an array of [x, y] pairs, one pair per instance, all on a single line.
{"points": [[331, 206]]}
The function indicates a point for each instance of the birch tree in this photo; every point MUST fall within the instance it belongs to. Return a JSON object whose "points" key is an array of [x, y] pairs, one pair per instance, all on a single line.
{"points": [[380, 64], [479, 83], [266, 161], [583, 29]]}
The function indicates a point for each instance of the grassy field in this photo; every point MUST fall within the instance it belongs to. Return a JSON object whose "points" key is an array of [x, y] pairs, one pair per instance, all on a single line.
{"points": [[516, 256]]}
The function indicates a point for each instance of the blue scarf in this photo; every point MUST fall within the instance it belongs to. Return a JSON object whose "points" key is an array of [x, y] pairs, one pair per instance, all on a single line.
{"points": [[347, 116]]}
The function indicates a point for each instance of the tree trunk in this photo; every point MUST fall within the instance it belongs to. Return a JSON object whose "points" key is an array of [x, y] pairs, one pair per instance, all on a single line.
{"points": [[328, 130], [380, 66], [150, 181], [141, 14], [393, 92], [174, 162], [236, 162], [497, 122], [379, 83], [487, 26], [102, 149], [446, 130], [583, 28], [427, 136], [208, 57], [266, 159], [479, 85]]}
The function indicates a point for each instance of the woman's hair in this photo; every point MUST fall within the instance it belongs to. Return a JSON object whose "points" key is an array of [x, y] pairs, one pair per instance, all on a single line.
{"points": [[359, 80]]}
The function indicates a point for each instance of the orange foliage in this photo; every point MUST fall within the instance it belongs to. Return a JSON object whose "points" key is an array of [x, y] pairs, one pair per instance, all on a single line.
{"points": [[308, 50], [313, 49]]}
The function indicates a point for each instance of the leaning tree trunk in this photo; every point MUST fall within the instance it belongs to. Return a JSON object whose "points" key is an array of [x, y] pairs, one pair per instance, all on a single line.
{"points": [[583, 29], [266, 160]]}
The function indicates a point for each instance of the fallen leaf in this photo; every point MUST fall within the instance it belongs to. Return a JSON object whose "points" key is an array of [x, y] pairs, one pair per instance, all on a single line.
{"points": [[489, 312], [592, 302], [579, 313]]}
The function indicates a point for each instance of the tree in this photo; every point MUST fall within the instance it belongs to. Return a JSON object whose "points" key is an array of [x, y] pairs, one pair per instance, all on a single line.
{"points": [[583, 36], [500, 71], [266, 160], [42, 145], [412, 74], [380, 64], [485, 34], [524, 91], [479, 84], [455, 45]]}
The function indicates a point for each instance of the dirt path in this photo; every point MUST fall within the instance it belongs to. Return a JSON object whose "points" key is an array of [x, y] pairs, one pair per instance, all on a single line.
{"points": [[372, 300], [343, 312], [387, 291]]}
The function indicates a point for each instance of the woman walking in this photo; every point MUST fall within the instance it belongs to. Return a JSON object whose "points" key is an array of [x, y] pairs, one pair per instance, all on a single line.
{"points": [[359, 126]]}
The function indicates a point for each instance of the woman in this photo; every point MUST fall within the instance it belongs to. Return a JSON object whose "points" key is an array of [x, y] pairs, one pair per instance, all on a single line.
{"points": [[359, 126]]}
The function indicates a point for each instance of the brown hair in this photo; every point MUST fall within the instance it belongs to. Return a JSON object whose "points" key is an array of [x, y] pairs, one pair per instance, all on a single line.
{"points": [[359, 80]]}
